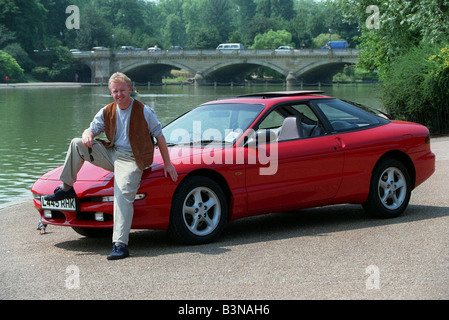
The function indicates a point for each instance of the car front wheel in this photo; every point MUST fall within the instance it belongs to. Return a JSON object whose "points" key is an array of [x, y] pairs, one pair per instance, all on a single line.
{"points": [[390, 190], [199, 211]]}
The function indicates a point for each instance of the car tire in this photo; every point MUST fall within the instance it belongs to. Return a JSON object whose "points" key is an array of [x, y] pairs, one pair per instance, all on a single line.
{"points": [[390, 189], [93, 232], [199, 211]]}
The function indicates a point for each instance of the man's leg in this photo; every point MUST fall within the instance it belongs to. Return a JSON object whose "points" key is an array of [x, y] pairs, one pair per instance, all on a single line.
{"points": [[76, 155], [127, 176]]}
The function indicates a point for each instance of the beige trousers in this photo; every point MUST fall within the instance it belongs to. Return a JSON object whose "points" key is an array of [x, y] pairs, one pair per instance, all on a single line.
{"points": [[127, 176]]}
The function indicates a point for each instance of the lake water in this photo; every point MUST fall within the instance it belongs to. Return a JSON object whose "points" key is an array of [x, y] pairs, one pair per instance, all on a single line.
{"points": [[37, 123]]}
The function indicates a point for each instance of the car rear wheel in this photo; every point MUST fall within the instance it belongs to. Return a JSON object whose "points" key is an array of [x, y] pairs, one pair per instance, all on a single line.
{"points": [[390, 189], [199, 211]]}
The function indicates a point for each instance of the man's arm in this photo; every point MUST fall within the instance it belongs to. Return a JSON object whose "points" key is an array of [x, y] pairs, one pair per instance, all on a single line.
{"points": [[168, 166]]}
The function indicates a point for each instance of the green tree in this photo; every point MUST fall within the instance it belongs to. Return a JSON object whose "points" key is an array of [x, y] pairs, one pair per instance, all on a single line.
{"points": [[244, 11], [216, 15], [408, 44], [62, 67], [6, 36], [26, 18], [402, 25], [94, 31], [174, 31], [20, 55], [272, 40], [320, 40]]}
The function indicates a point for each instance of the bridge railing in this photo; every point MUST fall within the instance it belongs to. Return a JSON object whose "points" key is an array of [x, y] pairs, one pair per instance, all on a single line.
{"points": [[212, 52]]}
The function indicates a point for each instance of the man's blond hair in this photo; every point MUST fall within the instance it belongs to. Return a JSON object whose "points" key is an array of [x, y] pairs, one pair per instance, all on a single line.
{"points": [[119, 77]]}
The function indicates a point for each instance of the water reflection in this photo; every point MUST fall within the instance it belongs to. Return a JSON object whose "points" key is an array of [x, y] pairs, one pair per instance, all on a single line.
{"points": [[37, 124]]}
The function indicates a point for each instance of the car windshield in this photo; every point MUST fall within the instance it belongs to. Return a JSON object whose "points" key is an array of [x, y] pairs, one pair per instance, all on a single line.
{"points": [[220, 123]]}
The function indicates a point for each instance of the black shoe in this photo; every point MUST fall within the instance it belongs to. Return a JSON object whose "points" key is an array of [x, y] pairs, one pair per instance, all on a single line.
{"points": [[118, 252], [60, 194]]}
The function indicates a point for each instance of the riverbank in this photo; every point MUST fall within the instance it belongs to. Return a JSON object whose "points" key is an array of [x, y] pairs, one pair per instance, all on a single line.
{"points": [[49, 84]]}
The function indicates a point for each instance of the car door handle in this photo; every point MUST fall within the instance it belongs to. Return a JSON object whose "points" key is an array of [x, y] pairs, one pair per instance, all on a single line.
{"points": [[340, 143]]}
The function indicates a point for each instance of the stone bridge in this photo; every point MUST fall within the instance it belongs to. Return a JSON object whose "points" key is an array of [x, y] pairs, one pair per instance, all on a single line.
{"points": [[209, 66]]}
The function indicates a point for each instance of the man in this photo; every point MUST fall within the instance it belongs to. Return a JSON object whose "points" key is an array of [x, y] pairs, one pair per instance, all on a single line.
{"points": [[130, 127]]}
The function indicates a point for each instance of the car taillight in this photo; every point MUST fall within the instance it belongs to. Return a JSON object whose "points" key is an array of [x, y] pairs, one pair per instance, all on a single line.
{"points": [[427, 139]]}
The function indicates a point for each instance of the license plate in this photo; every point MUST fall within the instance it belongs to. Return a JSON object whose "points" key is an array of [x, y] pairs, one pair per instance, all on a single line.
{"points": [[62, 205]]}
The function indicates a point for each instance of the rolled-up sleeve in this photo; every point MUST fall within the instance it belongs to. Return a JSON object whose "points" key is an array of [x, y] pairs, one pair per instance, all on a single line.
{"points": [[97, 124], [154, 126]]}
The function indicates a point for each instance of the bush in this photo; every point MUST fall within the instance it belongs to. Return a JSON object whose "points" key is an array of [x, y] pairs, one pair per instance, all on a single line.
{"points": [[41, 73], [416, 87], [9, 67]]}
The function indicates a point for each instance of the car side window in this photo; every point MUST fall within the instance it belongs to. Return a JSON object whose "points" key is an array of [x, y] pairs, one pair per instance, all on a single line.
{"points": [[291, 122], [272, 121], [310, 125], [344, 117], [305, 110]]}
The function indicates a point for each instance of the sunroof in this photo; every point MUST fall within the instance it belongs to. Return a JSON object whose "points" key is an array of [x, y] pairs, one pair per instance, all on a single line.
{"points": [[281, 93]]}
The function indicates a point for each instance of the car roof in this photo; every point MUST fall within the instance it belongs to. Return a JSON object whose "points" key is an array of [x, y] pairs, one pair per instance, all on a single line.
{"points": [[270, 98]]}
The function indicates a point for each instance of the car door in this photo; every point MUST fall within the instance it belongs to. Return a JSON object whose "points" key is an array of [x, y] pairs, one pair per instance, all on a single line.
{"points": [[291, 172]]}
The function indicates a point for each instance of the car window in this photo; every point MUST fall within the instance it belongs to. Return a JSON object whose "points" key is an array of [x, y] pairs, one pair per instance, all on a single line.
{"points": [[305, 111], [345, 117], [272, 121], [291, 122]]}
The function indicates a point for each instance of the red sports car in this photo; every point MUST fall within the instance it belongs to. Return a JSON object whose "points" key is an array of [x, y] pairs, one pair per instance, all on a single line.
{"points": [[255, 154]]}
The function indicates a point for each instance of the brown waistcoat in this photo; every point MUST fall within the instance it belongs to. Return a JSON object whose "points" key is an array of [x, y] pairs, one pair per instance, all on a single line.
{"points": [[139, 136]]}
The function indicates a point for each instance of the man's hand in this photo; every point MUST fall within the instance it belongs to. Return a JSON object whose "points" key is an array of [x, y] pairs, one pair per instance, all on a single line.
{"points": [[87, 138], [168, 166], [171, 171]]}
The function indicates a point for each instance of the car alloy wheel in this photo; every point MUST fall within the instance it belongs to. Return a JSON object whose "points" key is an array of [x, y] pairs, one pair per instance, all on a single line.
{"points": [[390, 189], [199, 211]]}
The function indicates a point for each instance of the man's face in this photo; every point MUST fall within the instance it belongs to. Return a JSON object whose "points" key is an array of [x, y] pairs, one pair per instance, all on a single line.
{"points": [[120, 91]]}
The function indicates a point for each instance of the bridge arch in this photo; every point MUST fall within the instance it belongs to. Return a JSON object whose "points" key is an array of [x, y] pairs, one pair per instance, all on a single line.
{"points": [[235, 71], [322, 71], [152, 71], [85, 71]]}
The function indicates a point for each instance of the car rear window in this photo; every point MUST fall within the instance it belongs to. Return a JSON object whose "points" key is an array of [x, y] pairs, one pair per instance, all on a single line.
{"points": [[343, 116]]}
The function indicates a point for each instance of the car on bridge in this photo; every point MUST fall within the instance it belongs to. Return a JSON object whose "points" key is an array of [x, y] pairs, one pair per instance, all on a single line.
{"points": [[154, 49], [284, 49], [255, 154]]}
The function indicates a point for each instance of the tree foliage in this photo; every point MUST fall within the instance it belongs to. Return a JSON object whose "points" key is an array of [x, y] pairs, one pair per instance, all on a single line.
{"points": [[40, 24], [272, 39], [410, 49], [10, 68]]}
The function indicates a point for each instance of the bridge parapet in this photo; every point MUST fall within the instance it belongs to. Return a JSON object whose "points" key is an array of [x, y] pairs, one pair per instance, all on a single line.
{"points": [[213, 64], [223, 53]]}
